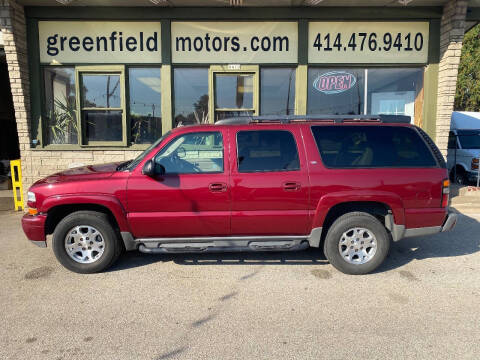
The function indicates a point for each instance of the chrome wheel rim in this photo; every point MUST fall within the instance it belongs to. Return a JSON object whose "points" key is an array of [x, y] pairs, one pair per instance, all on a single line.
{"points": [[84, 244], [357, 245]]}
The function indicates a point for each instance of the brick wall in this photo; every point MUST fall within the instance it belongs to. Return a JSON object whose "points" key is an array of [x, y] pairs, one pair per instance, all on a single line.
{"points": [[37, 163], [451, 38]]}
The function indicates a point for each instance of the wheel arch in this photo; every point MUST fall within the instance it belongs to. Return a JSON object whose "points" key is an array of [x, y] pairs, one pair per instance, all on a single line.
{"points": [[56, 213]]}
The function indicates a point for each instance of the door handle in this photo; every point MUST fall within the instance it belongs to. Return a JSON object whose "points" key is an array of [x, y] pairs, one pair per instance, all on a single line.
{"points": [[291, 186], [217, 187]]}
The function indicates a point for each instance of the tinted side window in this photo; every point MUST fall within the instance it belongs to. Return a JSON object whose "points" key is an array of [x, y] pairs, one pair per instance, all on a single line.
{"points": [[266, 150], [371, 146]]}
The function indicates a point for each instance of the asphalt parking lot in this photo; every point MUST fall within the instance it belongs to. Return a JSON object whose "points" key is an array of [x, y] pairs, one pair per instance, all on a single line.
{"points": [[424, 303]]}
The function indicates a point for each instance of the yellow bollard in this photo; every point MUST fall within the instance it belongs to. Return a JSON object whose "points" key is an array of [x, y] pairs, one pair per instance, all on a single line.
{"points": [[16, 171]]}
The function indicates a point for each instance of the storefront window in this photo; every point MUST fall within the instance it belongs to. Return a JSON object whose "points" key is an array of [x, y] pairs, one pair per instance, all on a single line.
{"points": [[62, 126], [233, 95], [336, 91], [277, 91], [101, 107], [145, 109], [395, 91], [190, 95]]}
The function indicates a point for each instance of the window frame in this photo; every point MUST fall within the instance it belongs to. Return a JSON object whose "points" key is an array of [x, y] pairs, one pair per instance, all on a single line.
{"points": [[210, 132], [125, 144], [101, 70], [224, 69], [266, 171]]}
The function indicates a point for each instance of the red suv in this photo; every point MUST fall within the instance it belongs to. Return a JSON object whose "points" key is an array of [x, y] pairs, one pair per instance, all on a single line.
{"points": [[349, 184]]}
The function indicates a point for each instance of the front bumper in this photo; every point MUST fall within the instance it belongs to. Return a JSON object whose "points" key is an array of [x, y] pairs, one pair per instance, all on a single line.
{"points": [[450, 222], [34, 229], [472, 176]]}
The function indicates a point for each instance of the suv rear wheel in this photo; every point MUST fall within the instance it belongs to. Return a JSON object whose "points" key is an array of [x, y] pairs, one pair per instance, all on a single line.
{"points": [[356, 243], [85, 242]]}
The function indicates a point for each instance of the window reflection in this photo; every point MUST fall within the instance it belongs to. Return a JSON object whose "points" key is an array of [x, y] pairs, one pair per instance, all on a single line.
{"points": [[60, 105], [190, 95], [234, 91], [395, 91], [277, 91], [335, 91], [101, 91], [101, 125], [145, 109]]}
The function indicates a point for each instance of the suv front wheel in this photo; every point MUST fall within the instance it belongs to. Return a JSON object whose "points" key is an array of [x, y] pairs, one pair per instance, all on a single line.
{"points": [[356, 243], [85, 242]]}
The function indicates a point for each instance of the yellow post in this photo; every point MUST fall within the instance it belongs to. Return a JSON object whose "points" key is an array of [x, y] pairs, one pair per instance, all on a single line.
{"points": [[16, 171]]}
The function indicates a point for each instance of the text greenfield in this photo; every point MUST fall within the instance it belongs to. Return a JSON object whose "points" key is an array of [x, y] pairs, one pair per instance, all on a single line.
{"points": [[113, 42], [99, 42]]}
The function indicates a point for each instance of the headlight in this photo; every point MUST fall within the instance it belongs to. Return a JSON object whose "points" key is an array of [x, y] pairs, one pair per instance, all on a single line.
{"points": [[31, 197]]}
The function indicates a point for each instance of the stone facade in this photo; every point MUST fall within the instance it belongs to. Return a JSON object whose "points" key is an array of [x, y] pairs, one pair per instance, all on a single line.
{"points": [[451, 38]]}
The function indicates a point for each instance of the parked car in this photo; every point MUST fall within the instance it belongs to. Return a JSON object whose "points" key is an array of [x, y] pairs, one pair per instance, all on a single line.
{"points": [[348, 184], [464, 147]]}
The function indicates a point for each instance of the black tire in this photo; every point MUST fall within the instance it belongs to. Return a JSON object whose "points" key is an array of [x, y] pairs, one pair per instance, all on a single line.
{"points": [[112, 248], [459, 176], [345, 223]]}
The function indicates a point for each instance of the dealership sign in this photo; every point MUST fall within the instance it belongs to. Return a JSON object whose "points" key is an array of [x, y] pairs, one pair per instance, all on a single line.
{"points": [[372, 42], [99, 42], [238, 42], [335, 82]]}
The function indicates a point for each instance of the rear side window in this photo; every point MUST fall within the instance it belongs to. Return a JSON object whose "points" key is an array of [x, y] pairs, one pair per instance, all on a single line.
{"points": [[266, 150], [371, 146]]}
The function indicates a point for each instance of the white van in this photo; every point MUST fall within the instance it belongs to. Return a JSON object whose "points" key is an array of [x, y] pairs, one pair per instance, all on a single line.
{"points": [[464, 146]]}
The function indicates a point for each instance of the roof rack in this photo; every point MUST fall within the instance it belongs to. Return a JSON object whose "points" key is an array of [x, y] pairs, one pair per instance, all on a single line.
{"points": [[286, 119]]}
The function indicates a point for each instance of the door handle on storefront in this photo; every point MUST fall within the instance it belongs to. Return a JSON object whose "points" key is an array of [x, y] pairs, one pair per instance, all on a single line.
{"points": [[291, 186], [217, 187]]}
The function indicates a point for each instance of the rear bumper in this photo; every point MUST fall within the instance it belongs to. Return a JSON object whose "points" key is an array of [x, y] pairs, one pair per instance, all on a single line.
{"points": [[450, 222], [398, 231], [34, 229]]}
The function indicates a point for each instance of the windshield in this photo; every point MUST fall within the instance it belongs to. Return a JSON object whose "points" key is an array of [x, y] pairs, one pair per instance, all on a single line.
{"points": [[470, 141], [140, 157]]}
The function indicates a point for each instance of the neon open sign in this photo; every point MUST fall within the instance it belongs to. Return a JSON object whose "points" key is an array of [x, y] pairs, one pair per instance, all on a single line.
{"points": [[335, 82]]}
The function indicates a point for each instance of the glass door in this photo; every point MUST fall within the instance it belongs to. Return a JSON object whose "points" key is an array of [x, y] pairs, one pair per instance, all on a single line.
{"points": [[233, 93]]}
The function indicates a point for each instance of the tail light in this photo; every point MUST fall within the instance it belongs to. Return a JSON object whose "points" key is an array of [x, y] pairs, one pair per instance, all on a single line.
{"points": [[474, 164], [445, 192]]}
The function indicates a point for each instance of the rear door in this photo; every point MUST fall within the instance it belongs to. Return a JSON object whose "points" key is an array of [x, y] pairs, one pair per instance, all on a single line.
{"points": [[269, 181]]}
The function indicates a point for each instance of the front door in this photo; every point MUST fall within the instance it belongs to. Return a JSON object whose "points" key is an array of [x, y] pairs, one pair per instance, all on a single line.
{"points": [[192, 197], [235, 92]]}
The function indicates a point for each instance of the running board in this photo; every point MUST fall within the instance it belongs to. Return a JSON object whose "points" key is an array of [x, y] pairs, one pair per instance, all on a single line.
{"points": [[222, 244]]}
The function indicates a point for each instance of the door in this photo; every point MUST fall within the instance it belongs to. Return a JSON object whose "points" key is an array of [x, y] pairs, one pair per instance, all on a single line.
{"points": [[233, 92], [269, 181], [192, 197]]}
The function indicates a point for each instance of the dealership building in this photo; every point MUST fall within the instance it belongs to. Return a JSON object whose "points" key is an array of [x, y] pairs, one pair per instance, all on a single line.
{"points": [[93, 81]]}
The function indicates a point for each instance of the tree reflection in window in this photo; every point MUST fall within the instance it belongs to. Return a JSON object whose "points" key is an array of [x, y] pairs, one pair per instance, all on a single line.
{"points": [[190, 96]]}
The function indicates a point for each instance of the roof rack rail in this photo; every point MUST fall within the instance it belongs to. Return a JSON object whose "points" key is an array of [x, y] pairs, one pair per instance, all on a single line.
{"points": [[286, 119]]}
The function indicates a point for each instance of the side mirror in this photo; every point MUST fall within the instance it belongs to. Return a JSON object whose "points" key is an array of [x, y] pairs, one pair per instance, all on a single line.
{"points": [[160, 169], [149, 168]]}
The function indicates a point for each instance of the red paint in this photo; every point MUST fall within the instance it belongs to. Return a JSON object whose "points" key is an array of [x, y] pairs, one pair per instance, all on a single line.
{"points": [[233, 203]]}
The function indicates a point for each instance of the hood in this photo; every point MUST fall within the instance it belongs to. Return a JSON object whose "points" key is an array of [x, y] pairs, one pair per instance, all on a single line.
{"points": [[89, 172]]}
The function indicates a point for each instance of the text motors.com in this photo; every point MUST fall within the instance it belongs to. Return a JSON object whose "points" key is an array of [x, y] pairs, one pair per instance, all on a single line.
{"points": [[227, 43]]}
